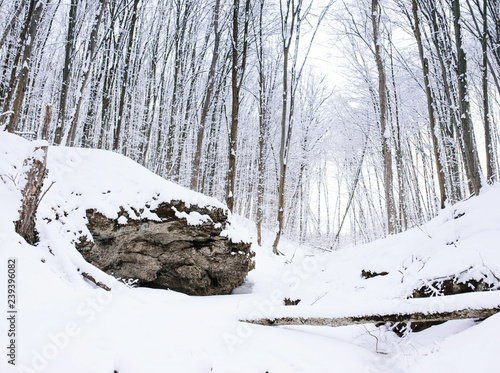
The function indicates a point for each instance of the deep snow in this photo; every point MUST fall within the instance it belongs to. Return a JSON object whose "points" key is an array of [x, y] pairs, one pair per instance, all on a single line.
{"points": [[66, 324]]}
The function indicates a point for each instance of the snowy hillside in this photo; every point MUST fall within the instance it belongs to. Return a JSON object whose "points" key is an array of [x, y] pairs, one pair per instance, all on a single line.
{"points": [[67, 324]]}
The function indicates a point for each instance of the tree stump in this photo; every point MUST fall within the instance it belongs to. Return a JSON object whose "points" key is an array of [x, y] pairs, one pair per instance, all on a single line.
{"points": [[35, 170]]}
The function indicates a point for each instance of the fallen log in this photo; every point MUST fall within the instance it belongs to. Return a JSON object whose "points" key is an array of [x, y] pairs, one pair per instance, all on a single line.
{"points": [[478, 305], [369, 319]]}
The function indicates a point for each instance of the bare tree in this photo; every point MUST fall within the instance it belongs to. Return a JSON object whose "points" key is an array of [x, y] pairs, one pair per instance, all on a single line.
{"points": [[291, 19], [127, 68], [237, 73], [430, 105], [88, 68], [206, 100], [481, 34], [17, 86], [70, 43], [471, 158], [382, 94], [19, 9], [262, 125], [488, 142]]}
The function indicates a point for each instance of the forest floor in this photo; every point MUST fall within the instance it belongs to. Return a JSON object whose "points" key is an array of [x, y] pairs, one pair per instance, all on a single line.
{"points": [[66, 324]]}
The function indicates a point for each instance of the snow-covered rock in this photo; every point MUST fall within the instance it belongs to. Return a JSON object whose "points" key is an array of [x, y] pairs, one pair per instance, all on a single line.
{"points": [[184, 251]]}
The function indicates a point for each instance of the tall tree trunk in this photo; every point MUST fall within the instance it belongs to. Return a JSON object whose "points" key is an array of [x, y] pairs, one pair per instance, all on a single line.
{"points": [[402, 213], [382, 93], [6, 68], [70, 42], [151, 95], [110, 73], [26, 64], [90, 122], [236, 82], [490, 154], [126, 67], [291, 19], [195, 185], [282, 165], [262, 121], [494, 35], [430, 107], [11, 87], [288, 26], [87, 67], [444, 54], [12, 22], [194, 70], [178, 81], [471, 160], [231, 174]]}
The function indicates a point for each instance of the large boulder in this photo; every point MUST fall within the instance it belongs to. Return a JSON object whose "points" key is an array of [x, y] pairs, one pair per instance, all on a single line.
{"points": [[185, 249]]}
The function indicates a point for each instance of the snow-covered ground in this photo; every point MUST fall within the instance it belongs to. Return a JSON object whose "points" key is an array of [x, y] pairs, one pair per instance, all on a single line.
{"points": [[67, 324]]}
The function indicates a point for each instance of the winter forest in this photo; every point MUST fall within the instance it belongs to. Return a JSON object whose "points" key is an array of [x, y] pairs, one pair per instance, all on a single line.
{"points": [[332, 122], [249, 186]]}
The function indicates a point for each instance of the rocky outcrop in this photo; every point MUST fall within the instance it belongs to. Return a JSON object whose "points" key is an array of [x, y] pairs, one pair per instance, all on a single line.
{"points": [[183, 251]]}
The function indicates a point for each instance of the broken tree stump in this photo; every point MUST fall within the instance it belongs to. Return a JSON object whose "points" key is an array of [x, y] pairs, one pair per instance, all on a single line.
{"points": [[35, 170]]}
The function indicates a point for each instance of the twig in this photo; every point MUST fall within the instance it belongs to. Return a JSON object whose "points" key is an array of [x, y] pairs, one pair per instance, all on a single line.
{"points": [[40, 200], [488, 268], [319, 298], [10, 177], [376, 338], [93, 280], [290, 261]]}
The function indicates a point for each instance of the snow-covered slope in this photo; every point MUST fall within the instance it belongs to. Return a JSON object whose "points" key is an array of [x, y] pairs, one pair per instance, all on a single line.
{"points": [[66, 324], [461, 242], [81, 179]]}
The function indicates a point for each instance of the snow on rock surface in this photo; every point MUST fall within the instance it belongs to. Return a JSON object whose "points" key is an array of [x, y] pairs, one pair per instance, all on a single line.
{"points": [[67, 324]]}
